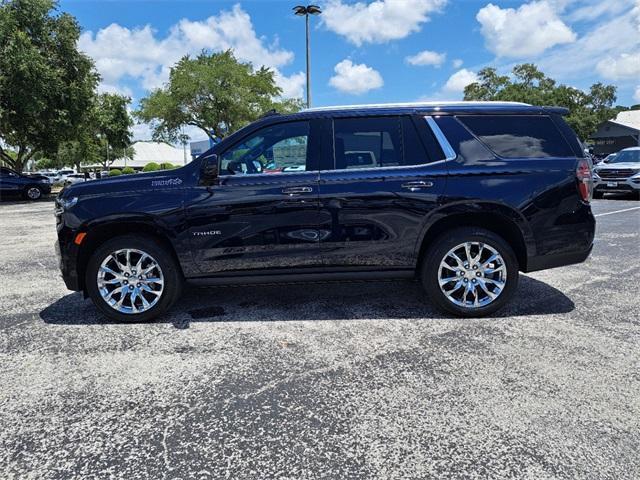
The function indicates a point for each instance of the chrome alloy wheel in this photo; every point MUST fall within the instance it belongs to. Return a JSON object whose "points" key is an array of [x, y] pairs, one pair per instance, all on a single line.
{"points": [[472, 275], [130, 281], [34, 193]]}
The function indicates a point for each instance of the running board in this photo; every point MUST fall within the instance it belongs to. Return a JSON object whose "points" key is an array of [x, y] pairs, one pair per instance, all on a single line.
{"points": [[300, 277]]}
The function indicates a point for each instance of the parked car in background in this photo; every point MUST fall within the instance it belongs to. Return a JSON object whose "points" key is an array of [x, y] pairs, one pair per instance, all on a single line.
{"points": [[52, 176], [64, 173], [619, 173], [75, 178], [459, 196], [30, 187]]}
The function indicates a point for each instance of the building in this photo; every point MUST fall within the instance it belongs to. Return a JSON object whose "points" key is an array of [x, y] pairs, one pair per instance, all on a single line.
{"points": [[147, 152], [621, 132]]}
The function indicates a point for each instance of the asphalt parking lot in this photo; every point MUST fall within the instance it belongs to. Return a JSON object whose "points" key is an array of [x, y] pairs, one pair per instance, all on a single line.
{"points": [[347, 380]]}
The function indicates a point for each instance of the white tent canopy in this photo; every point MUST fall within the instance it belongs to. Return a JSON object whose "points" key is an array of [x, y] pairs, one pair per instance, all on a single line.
{"points": [[147, 152]]}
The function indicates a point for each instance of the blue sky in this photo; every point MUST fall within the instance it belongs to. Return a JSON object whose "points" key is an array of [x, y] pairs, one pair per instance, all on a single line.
{"points": [[367, 51]]}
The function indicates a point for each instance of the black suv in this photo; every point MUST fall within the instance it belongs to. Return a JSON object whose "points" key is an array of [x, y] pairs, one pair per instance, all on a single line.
{"points": [[460, 196], [31, 187]]}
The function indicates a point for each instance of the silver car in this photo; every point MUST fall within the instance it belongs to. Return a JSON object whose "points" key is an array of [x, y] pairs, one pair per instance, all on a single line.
{"points": [[620, 174]]}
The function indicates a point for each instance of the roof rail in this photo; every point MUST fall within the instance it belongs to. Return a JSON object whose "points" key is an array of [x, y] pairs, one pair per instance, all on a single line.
{"points": [[270, 113], [558, 110]]}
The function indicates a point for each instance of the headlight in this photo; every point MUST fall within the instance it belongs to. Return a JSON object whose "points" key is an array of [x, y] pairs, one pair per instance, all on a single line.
{"points": [[63, 204]]}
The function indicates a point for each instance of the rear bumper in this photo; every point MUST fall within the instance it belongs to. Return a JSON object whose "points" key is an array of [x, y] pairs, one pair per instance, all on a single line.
{"points": [[568, 242], [559, 260]]}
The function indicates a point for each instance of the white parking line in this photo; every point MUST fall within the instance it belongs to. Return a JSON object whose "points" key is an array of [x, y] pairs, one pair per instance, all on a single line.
{"points": [[617, 211]]}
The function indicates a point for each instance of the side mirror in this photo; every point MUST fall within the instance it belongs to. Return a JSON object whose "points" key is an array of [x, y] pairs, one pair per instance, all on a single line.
{"points": [[209, 169]]}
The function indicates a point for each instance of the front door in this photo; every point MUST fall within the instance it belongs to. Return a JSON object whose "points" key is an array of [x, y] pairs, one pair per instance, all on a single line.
{"points": [[263, 212], [379, 191]]}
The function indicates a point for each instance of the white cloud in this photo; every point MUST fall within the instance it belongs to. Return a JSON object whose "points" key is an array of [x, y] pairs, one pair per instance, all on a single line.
{"points": [[427, 57], [141, 55], [457, 63], [526, 31], [626, 65], [594, 9], [379, 21], [459, 80], [293, 85], [355, 78], [636, 94], [607, 39]]}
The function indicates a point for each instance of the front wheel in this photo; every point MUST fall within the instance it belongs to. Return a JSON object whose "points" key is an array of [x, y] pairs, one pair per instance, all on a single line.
{"points": [[470, 272], [133, 278]]}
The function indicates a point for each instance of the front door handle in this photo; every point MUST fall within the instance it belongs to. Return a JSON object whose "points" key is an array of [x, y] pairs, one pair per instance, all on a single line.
{"points": [[297, 190], [414, 186]]}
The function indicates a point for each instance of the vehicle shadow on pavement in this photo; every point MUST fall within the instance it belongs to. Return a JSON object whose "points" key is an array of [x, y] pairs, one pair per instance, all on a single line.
{"points": [[310, 301], [17, 200]]}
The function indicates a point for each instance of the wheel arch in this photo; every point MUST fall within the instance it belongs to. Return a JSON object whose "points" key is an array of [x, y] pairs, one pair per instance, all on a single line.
{"points": [[497, 218], [101, 231]]}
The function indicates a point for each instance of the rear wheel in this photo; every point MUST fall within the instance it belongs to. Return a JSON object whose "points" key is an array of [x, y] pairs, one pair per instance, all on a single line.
{"points": [[470, 272], [32, 192], [133, 279]]}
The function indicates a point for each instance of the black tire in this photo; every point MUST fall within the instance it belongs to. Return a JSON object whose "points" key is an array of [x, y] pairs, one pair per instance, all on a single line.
{"points": [[598, 195], [32, 192], [439, 249], [173, 279]]}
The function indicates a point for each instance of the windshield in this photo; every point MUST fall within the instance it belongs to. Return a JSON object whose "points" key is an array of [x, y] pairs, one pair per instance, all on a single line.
{"points": [[624, 156]]}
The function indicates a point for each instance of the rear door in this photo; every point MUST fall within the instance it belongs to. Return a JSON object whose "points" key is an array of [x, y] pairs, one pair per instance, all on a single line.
{"points": [[385, 175]]}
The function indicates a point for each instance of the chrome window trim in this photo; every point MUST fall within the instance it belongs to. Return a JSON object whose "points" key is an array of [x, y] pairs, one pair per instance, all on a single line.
{"points": [[447, 149]]}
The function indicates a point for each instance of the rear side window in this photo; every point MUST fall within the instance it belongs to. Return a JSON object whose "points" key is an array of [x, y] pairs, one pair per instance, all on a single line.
{"points": [[376, 142], [519, 136]]}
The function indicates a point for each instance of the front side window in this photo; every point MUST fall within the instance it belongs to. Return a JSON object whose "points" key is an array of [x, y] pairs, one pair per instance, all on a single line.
{"points": [[278, 148], [519, 136]]}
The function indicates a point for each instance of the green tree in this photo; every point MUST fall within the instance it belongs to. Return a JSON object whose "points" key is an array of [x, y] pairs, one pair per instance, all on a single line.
{"points": [[529, 85], [214, 92], [128, 171], [115, 172], [167, 166], [104, 136], [46, 84]]}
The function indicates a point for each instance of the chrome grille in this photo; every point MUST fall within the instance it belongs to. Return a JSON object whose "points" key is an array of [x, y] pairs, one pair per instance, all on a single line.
{"points": [[618, 173]]}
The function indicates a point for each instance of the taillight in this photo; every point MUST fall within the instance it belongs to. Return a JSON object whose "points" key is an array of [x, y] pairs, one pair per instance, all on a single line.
{"points": [[585, 180]]}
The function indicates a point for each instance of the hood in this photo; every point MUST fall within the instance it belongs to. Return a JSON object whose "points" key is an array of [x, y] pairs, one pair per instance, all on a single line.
{"points": [[139, 182]]}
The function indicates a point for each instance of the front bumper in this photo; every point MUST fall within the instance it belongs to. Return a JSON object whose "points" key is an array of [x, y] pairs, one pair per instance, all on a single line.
{"points": [[616, 185], [67, 254]]}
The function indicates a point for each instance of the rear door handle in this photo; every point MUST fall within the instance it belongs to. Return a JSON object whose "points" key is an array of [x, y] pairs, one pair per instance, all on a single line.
{"points": [[413, 186], [297, 190]]}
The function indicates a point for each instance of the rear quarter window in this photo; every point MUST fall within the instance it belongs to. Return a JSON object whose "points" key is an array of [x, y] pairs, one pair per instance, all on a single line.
{"points": [[519, 136]]}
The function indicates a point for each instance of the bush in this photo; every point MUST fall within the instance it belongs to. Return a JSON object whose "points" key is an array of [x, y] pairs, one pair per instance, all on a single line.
{"points": [[128, 171], [151, 167], [167, 166], [115, 172]]}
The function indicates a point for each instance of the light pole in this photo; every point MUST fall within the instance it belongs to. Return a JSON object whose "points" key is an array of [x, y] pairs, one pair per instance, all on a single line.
{"points": [[301, 10]]}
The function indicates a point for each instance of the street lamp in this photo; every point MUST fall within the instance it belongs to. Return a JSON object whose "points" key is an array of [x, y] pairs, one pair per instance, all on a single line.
{"points": [[306, 11]]}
